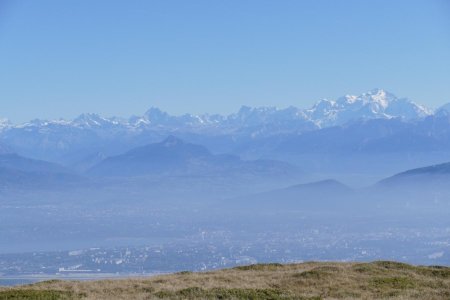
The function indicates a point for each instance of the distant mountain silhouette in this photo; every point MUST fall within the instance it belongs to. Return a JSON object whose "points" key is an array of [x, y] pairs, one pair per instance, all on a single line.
{"points": [[174, 156], [373, 136], [323, 195], [437, 175], [20, 172], [441, 169], [87, 162], [321, 187]]}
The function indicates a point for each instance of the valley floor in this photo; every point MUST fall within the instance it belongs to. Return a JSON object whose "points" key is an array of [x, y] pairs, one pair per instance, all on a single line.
{"points": [[312, 280]]}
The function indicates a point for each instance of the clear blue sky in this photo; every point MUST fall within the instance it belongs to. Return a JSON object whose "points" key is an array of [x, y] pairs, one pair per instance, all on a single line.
{"points": [[62, 58]]}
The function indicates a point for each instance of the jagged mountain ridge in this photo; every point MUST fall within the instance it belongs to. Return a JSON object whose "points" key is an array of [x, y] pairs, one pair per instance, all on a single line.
{"points": [[377, 103], [71, 141], [371, 105]]}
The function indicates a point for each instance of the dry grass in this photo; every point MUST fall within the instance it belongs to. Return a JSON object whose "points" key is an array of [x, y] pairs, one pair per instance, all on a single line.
{"points": [[377, 280]]}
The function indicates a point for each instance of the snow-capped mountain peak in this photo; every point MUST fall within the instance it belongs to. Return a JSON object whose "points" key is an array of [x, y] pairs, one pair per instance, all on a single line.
{"points": [[91, 120], [376, 103], [155, 115], [5, 123], [378, 96]]}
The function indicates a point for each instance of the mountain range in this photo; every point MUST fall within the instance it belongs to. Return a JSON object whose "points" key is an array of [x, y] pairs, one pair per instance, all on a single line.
{"points": [[178, 164], [61, 139], [376, 103], [375, 130]]}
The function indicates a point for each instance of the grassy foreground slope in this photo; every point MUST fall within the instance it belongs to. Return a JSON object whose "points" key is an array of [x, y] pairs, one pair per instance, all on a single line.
{"points": [[377, 280]]}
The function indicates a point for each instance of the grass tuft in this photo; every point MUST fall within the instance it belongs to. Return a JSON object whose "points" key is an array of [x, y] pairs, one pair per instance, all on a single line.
{"points": [[318, 273], [259, 267], [36, 295], [392, 265], [184, 273], [393, 283], [225, 293]]}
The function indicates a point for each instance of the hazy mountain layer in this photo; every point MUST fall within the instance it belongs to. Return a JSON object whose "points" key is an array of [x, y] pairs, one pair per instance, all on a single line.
{"points": [[173, 156], [74, 141], [22, 173]]}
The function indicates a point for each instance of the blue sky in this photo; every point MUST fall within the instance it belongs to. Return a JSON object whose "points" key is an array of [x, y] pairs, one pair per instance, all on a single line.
{"points": [[62, 58]]}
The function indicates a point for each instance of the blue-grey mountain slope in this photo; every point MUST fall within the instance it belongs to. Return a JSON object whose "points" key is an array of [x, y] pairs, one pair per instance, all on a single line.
{"points": [[24, 173], [174, 156], [69, 141], [377, 146], [431, 176], [324, 195], [4, 149], [425, 188]]}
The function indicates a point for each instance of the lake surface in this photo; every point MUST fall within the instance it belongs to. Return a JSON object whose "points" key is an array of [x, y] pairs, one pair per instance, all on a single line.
{"points": [[12, 282]]}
